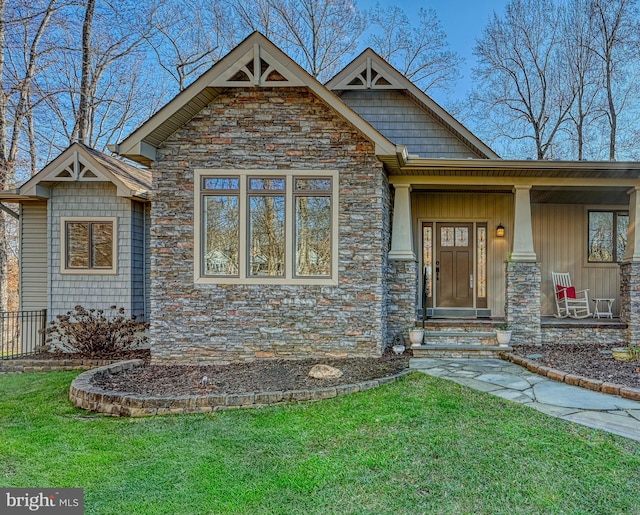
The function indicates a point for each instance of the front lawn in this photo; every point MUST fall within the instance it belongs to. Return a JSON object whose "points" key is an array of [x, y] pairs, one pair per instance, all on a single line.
{"points": [[421, 445]]}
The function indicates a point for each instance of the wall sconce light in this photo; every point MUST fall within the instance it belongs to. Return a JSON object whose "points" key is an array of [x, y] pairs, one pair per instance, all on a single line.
{"points": [[500, 231]]}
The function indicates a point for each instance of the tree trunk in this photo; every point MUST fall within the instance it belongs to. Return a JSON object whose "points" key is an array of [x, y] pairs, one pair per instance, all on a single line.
{"points": [[82, 123]]}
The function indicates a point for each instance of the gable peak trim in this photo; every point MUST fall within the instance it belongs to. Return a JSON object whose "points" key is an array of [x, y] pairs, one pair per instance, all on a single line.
{"points": [[75, 169], [257, 67], [369, 74]]}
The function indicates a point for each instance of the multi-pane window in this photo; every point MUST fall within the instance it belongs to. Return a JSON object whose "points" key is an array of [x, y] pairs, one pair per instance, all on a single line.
{"points": [[313, 226], [607, 236], [88, 245], [220, 222], [262, 227]]}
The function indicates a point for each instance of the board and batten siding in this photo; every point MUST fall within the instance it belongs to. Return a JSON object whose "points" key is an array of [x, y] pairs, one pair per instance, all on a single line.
{"points": [[492, 208], [560, 242], [33, 256], [140, 259]]}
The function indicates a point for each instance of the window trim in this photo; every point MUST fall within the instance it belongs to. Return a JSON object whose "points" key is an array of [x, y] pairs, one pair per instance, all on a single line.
{"points": [[616, 210], [289, 258], [63, 246]]}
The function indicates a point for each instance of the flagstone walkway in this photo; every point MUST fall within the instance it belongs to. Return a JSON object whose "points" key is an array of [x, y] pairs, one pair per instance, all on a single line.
{"points": [[515, 383]]}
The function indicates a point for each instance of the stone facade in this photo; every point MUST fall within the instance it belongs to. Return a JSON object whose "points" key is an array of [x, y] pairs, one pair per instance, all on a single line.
{"points": [[270, 129], [630, 300], [522, 301], [402, 286], [581, 334]]}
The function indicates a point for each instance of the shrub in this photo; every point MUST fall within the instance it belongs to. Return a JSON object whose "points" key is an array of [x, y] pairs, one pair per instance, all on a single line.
{"points": [[93, 333]]}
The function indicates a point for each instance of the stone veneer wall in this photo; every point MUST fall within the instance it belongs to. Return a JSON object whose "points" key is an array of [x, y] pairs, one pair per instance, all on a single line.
{"points": [[402, 283], [268, 128], [584, 334], [630, 301], [522, 301]]}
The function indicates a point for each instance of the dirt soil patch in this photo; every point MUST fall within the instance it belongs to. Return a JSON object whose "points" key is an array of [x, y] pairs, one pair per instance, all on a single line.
{"points": [[589, 360], [258, 376]]}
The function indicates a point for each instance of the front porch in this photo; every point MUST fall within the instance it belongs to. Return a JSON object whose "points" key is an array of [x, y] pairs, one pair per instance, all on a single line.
{"points": [[492, 233]]}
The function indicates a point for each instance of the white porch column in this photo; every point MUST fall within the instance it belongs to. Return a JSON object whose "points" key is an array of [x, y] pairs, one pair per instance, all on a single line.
{"points": [[522, 231], [402, 235], [632, 252]]}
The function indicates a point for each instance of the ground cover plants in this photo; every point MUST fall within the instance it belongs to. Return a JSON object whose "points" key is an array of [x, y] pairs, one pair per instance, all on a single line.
{"points": [[421, 445]]}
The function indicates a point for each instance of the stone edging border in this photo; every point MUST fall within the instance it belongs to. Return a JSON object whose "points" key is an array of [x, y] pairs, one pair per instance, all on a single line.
{"points": [[596, 385], [84, 395], [24, 365]]}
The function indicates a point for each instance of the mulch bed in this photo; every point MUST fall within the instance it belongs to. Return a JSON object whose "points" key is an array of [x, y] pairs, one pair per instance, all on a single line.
{"points": [[258, 376], [589, 360]]}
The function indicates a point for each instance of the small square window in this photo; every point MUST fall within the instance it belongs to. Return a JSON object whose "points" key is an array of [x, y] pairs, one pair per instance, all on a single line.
{"points": [[88, 245]]}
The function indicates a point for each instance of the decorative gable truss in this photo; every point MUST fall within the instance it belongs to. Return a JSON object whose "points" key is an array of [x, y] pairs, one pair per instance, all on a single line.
{"points": [[75, 168], [257, 67], [370, 74], [81, 164], [256, 62]]}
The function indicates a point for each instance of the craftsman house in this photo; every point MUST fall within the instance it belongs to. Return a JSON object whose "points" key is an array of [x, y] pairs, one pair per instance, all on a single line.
{"points": [[274, 216]]}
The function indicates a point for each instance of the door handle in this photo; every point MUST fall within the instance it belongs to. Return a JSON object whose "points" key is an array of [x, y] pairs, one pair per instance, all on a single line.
{"points": [[471, 281]]}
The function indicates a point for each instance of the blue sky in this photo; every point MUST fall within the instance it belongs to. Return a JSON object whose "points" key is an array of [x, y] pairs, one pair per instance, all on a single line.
{"points": [[462, 21]]}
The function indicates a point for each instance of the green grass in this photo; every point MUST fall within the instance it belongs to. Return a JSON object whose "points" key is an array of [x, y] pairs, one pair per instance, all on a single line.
{"points": [[421, 445]]}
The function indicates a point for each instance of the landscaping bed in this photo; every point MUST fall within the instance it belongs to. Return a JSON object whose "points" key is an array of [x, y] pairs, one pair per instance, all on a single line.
{"points": [[258, 376], [590, 360]]}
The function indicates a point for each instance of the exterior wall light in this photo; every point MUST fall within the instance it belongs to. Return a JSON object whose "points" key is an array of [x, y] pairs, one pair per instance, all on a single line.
{"points": [[500, 231]]}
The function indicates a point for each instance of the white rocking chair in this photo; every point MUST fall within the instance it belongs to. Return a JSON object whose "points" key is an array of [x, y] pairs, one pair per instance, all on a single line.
{"points": [[569, 302]]}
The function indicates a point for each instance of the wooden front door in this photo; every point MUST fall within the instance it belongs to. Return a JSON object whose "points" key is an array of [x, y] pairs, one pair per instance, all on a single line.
{"points": [[454, 265]]}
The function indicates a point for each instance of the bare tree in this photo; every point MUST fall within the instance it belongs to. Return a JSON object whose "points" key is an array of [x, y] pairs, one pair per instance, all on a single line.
{"points": [[20, 61], [188, 36], [615, 45], [521, 73], [582, 75], [419, 51], [86, 82], [318, 34]]}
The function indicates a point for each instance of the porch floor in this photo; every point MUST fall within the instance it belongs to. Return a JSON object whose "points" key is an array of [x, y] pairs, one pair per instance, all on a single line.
{"points": [[545, 322]]}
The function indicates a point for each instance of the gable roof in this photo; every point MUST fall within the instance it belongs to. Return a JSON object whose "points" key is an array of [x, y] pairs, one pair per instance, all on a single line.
{"points": [[370, 71], [79, 163], [255, 62]]}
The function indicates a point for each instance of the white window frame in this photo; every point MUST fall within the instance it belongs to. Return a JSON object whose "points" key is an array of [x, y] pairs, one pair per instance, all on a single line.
{"points": [[243, 278], [63, 245]]}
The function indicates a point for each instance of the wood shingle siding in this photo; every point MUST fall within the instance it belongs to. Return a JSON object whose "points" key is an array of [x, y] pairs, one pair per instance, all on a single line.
{"points": [[402, 121]]}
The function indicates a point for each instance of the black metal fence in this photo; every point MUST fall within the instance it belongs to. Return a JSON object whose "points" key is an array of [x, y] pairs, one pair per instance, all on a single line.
{"points": [[21, 333]]}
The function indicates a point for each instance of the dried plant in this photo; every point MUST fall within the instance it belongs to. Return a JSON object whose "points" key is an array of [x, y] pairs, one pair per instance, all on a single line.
{"points": [[94, 333]]}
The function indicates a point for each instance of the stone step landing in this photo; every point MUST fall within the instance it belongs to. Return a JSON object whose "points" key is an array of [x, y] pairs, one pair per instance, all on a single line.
{"points": [[438, 350], [469, 340], [453, 337]]}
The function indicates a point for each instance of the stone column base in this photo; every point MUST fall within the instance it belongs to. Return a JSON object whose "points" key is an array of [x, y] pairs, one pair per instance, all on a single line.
{"points": [[630, 300], [402, 295], [522, 301]]}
